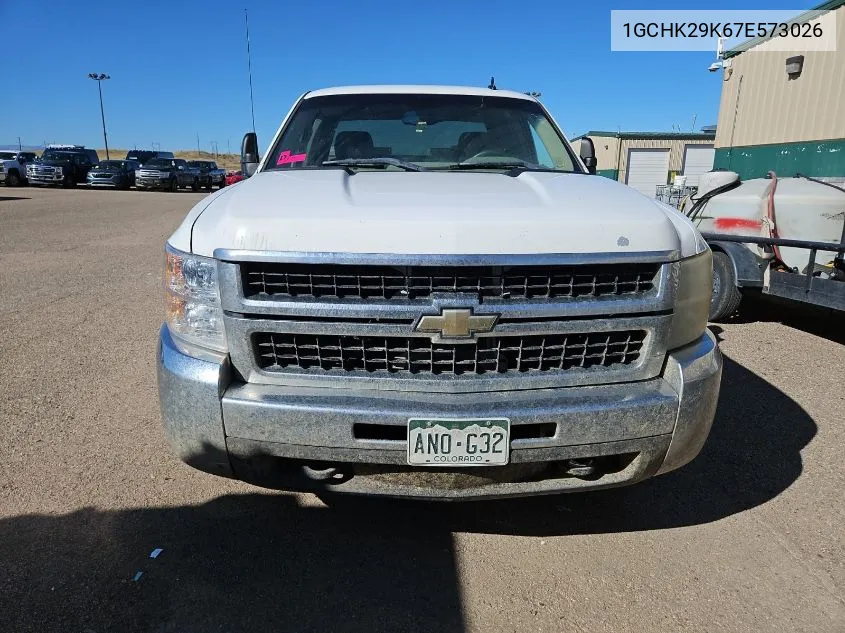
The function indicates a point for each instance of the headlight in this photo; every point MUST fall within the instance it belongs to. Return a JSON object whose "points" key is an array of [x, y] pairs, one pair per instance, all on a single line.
{"points": [[693, 289], [194, 314]]}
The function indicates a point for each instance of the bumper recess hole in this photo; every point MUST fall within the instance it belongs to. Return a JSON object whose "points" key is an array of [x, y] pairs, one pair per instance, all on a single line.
{"points": [[533, 431], [393, 432]]}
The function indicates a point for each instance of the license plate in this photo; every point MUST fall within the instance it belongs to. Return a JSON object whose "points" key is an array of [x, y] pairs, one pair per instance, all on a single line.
{"points": [[458, 442]]}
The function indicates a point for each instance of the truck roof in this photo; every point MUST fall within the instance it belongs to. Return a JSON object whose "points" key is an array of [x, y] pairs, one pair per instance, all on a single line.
{"points": [[417, 89]]}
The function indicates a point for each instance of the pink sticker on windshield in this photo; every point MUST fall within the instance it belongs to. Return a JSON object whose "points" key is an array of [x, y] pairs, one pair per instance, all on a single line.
{"points": [[286, 158]]}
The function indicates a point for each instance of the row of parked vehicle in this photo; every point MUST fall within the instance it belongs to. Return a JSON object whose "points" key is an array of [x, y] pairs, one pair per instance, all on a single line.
{"points": [[70, 165]]}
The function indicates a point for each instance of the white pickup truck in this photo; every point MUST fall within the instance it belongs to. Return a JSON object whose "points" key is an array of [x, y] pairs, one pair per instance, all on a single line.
{"points": [[13, 167], [422, 291]]}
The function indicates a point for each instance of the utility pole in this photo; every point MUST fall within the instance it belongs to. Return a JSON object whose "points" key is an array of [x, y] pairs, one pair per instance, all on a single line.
{"points": [[249, 64], [99, 79], [20, 149], [198, 144]]}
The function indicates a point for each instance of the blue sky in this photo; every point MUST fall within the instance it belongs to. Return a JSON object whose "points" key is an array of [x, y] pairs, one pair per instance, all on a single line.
{"points": [[179, 68]]}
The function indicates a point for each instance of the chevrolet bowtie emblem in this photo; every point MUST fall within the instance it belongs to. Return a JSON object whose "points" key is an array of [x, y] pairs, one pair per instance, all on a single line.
{"points": [[454, 323]]}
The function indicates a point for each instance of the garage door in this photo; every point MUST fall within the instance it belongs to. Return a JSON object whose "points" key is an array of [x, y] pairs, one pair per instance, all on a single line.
{"points": [[647, 168], [698, 159]]}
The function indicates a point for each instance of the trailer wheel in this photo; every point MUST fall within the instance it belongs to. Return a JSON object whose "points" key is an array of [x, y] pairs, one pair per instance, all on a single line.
{"points": [[726, 295]]}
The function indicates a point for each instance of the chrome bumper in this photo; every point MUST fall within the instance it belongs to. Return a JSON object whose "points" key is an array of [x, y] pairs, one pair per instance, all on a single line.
{"points": [[46, 180], [302, 438]]}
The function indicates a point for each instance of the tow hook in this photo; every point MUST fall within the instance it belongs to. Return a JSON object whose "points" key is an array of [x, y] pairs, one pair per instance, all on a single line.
{"points": [[581, 467], [326, 474]]}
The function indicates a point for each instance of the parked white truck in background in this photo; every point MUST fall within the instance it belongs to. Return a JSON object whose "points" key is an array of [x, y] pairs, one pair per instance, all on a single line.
{"points": [[13, 167], [422, 291]]}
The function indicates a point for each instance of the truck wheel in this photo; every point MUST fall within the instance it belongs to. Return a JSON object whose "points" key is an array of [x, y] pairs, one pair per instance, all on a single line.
{"points": [[726, 295], [195, 186], [174, 185], [70, 182], [12, 179]]}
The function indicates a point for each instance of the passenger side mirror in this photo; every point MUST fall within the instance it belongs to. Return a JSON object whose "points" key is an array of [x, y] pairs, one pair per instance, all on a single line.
{"points": [[249, 154], [588, 154]]}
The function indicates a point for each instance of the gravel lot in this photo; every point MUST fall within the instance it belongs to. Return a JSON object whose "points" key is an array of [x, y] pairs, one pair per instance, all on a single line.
{"points": [[749, 537]]}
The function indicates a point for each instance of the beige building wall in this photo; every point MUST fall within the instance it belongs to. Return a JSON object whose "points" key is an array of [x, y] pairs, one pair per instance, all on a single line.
{"points": [[675, 147], [612, 152], [760, 105], [607, 149]]}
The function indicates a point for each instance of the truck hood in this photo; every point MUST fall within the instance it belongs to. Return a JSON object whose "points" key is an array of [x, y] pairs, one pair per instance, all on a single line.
{"points": [[431, 212]]}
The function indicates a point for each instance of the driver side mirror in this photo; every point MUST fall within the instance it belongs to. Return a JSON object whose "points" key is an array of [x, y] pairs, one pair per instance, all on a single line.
{"points": [[249, 154], [588, 154]]}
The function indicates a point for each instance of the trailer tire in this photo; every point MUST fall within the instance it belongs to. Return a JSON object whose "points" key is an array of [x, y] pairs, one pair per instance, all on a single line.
{"points": [[726, 294]]}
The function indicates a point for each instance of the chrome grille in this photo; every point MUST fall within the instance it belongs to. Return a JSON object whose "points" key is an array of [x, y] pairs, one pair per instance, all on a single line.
{"points": [[330, 281], [286, 352]]}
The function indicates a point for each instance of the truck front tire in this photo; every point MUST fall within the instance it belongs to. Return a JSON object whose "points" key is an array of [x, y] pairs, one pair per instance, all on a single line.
{"points": [[13, 179], [726, 294], [174, 185]]}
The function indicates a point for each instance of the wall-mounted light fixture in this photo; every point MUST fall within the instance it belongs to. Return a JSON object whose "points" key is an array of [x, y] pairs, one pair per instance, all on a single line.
{"points": [[794, 66]]}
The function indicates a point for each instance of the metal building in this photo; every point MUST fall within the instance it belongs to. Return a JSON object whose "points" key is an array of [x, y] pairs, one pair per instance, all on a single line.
{"points": [[644, 160], [785, 111]]}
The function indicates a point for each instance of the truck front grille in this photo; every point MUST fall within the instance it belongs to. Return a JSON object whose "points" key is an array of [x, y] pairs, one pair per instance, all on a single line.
{"points": [[285, 352], [330, 281]]}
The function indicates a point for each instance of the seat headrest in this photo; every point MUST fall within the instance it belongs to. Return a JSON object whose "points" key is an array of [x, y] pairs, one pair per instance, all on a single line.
{"points": [[353, 144]]}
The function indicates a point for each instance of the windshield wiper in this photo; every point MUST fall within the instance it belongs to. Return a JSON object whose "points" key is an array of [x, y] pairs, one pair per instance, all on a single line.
{"points": [[513, 167], [373, 162]]}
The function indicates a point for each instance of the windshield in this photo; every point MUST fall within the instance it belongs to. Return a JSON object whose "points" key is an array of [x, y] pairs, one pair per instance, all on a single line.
{"points": [[159, 163], [57, 156], [109, 164], [7, 155], [200, 164], [431, 131]]}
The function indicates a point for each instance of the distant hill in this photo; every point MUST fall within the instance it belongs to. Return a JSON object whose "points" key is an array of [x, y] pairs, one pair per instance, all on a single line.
{"points": [[224, 161]]}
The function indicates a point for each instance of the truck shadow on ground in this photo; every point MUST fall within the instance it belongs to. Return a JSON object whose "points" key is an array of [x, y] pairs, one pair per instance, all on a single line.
{"points": [[822, 322], [752, 455], [264, 562], [11, 198], [253, 562]]}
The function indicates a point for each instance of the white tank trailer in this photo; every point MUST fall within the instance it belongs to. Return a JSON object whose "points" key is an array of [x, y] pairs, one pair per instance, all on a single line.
{"points": [[783, 236]]}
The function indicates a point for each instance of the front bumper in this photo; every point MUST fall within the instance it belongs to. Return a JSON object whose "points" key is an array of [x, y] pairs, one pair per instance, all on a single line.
{"points": [[54, 179], [304, 438], [102, 182], [153, 182]]}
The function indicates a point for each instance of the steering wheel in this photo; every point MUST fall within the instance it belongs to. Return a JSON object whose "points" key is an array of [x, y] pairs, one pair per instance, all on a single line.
{"points": [[485, 153]]}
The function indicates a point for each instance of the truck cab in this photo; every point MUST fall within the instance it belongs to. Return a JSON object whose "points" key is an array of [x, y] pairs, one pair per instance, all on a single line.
{"points": [[424, 292], [13, 167]]}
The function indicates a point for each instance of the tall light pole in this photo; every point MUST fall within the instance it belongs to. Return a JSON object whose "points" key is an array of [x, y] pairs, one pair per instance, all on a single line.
{"points": [[99, 79]]}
